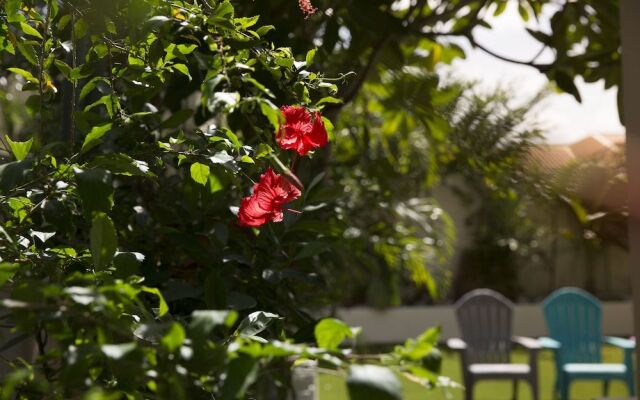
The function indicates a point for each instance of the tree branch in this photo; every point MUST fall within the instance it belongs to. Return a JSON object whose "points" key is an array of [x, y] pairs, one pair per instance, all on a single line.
{"points": [[354, 88], [532, 63]]}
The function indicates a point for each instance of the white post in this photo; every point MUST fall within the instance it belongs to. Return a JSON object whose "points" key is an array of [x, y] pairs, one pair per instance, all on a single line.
{"points": [[630, 32]]}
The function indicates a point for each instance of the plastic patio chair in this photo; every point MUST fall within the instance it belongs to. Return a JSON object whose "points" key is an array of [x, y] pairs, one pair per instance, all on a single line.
{"points": [[573, 319], [485, 317]]}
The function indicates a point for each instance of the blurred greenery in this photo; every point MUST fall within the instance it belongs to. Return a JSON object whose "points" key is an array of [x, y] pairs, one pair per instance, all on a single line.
{"points": [[332, 386]]}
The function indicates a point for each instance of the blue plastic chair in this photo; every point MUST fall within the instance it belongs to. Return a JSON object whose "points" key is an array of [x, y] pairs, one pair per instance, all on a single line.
{"points": [[573, 319]]}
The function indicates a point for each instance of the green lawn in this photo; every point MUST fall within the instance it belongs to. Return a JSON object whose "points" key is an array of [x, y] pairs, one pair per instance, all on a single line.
{"points": [[333, 387]]}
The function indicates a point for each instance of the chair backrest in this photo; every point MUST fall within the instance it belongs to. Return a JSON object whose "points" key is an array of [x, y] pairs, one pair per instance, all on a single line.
{"points": [[484, 317], [574, 319]]}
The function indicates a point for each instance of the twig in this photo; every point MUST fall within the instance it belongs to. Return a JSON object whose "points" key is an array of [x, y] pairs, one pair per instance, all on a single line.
{"points": [[45, 37], [74, 83], [539, 67], [354, 88]]}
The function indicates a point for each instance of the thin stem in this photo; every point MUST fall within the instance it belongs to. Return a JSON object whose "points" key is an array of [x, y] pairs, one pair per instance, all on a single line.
{"points": [[74, 63], [354, 88], [115, 106], [41, 78]]}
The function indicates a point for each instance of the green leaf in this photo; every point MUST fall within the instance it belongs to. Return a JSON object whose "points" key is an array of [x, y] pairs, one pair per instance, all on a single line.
{"points": [[330, 332], [524, 13], [328, 100], [174, 337], [224, 10], [186, 48], [89, 86], [163, 308], [182, 68], [247, 159], [20, 150], [20, 207], [263, 30], [417, 349], [222, 16], [94, 137], [12, 9], [246, 23], [14, 173], [64, 68], [63, 22], [215, 185], [104, 241], [263, 150], [329, 127], [204, 321], [200, 173], [310, 56], [29, 30], [272, 113], [256, 322], [25, 74], [7, 270], [242, 372], [108, 101], [500, 8], [233, 138], [117, 351], [95, 189], [122, 164], [368, 382], [565, 81], [28, 52]]}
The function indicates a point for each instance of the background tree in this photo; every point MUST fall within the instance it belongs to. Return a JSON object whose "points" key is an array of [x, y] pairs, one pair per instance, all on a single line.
{"points": [[389, 115], [492, 139]]}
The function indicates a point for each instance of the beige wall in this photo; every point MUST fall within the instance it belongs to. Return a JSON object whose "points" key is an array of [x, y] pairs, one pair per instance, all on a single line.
{"points": [[568, 262], [396, 324]]}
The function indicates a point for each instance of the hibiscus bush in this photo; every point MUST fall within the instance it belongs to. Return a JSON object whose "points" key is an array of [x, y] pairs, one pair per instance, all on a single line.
{"points": [[163, 208]]}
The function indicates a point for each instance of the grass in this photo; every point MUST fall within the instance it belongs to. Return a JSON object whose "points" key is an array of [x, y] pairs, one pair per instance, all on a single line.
{"points": [[333, 387]]}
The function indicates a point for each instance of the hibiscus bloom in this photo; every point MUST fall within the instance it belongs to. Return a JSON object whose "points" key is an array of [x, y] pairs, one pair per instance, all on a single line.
{"points": [[307, 8], [265, 203], [302, 131]]}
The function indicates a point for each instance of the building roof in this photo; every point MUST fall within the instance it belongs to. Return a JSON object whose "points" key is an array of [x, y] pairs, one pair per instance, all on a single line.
{"points": [[550, 157], [598, 183]]}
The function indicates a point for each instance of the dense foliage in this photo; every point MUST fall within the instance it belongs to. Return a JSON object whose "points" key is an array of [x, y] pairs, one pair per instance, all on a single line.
{"points": [[122, 253]]}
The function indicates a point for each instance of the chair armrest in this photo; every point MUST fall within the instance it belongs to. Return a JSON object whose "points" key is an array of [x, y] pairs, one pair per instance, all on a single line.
{"points": [[548, 343], [527, 343], [621, 343], [456, 344]]}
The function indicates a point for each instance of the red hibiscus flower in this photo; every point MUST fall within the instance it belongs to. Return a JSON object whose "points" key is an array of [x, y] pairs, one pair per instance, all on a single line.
{"points": [[265, 203], [301, 131], [307, 8]]}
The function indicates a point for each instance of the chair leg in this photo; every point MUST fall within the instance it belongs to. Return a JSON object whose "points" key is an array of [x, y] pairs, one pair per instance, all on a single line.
{"points": [[468, 390], [565, 388], [605, 388], [533, 382], [631, 385], [559, 383], [515, 389]]}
